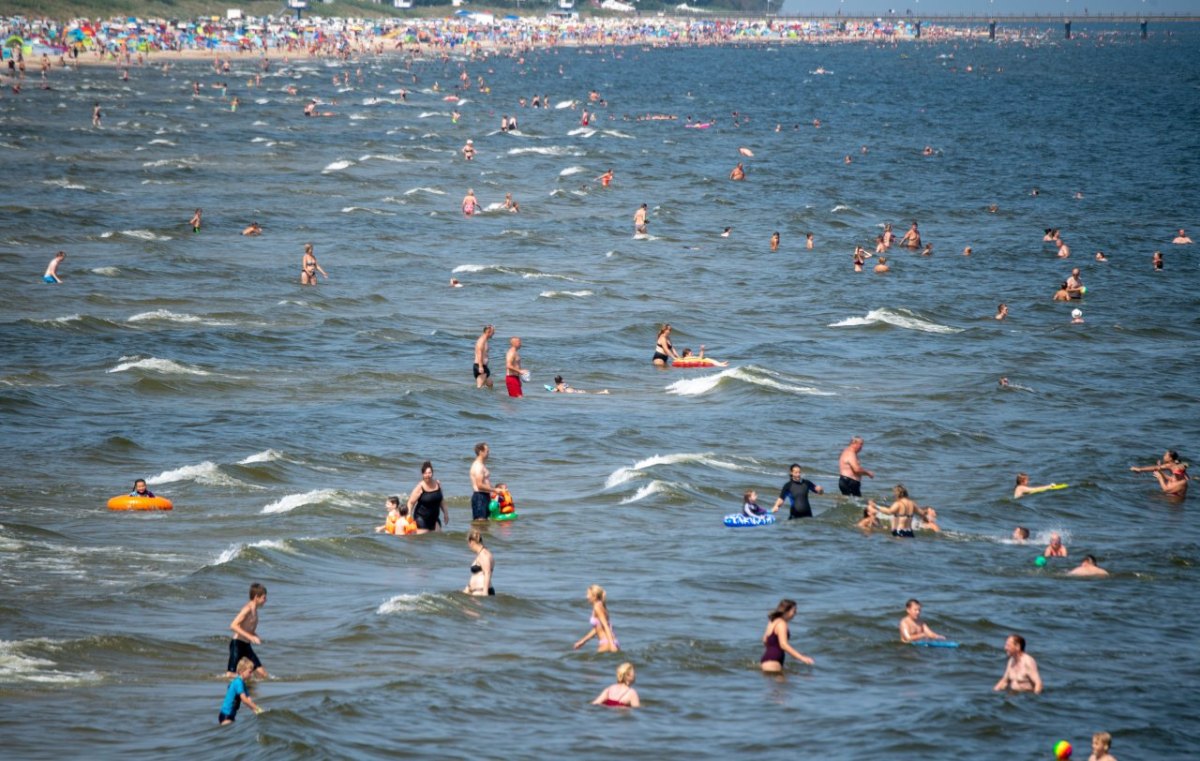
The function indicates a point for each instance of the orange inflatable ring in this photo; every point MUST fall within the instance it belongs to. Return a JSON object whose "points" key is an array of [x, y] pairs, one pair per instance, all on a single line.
{"points": [[125, 502], [693, 362]]}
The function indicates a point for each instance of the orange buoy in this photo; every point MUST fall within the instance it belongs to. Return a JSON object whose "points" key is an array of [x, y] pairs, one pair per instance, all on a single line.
{"points": [[125, 502]]}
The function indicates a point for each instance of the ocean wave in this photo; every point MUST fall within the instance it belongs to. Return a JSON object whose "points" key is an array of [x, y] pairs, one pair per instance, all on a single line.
{"points": [[65, 184], [168, 316], [352, 209], [385, 157], [407, 603], [337, 166], [565, 104], [749, 374], [267, 455], [207, 472], [234, 550], [18, 667], [106, 271], [571, 170], [645, 490], [545, 150], [585, 131], [615, 133], [293, 501], [165, 366], [901, 318], [528, 274], [557, 294], [434, 191], [144, 235], [622, 475]]}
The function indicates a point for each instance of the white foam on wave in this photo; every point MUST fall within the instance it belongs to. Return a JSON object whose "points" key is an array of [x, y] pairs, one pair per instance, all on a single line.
{"points": [[645, 490], [585, 131], [404, 604], [841, 207], [385, 157], [65, 184], [267, 455], [17, 667], [557, 294], [352, 209], [165, 366], [234, 550], [293, 501], [106, 271], [337, 166], [164, 315], [540, 275], [434, 191], [474, 268], [494, 207], [565, 104], [750, 374], [60, 320], [545, 150], [901, 318], [616, 133], [207, 472], [622, 475], [571, 170], [358, 117], [144, 235], [160, 141]]}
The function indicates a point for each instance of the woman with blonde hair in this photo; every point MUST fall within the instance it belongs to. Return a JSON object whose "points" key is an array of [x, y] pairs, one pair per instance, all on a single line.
{"points": [[621, 694], [480, 583], [601, 626]]}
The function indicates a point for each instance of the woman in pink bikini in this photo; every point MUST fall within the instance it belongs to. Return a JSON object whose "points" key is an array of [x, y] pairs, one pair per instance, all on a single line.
{"points": [[601, 626]]}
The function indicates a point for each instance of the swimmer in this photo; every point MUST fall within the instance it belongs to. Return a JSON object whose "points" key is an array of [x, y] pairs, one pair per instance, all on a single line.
{"points": [[1022, 488], [510, 204], [687, 354], [1157, 261], [750, 506], [97, 115], [1056, 549], [929, 519], [245, 633], [808, 241], [195, 221], [639, 220], [1064, 251], [859, 258], [664, 351], [1002, 311], [254, 229], [882, 266], [928, 250], [480, 583], [426, 503], [1087, 568], [912, 628], [468, 150], [1182, 238], [737, 173], [398, 520], [483, 373], [928, 151], [775, 241], [967, 251], [512, 367], [309, 267], [454, 283], [901, 510], [1075, 285], [237, 693], [51, 275], [1004, 381], [775, 639], [601, 625], [1020, 534], [726, 231], [561, 387], [1100, 257], [1021, 672], [1170, 461], [1076, 316], [1174, 483], [1101, 742], [1062, 294], [870, 517], [847, 160], [850, 470], [621, 694], [795, 493], [470, 203], [912, 238], [140, 490]]}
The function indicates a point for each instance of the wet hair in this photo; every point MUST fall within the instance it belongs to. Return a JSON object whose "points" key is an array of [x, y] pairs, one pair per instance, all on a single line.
{"points": [[1019, 640], [1173, 455], [1022, 532], [474, 536], [1104, 738], [597, 592], [1089, 559], [900, 491], [624, 671], [393, 501], [480, 447], [427, 465], [257, 590], [1022, 478], [784, 607], [558, 379], [911, 602]]}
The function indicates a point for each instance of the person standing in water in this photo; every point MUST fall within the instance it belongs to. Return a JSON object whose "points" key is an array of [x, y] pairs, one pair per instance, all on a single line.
{"points": [[795, 492], [912, 628], [480, 583], [426, 504], [195, 221], [481, 483], [1021, 673], [775, 639], [664, 351], [601, 625], [309, 267], [512, 367], [850, 470], [621, 694], [483, 373], [51, 275], [639, 220]]}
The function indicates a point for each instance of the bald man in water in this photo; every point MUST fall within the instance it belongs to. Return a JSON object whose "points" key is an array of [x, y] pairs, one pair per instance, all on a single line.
{"points": [[850, 470]]}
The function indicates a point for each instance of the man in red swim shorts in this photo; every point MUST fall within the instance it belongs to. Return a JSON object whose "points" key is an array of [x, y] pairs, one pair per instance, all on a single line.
{"points": [[512, 367]]}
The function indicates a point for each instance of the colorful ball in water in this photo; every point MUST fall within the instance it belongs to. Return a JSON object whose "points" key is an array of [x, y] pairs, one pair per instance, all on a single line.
{"points": [[1041, 561], [1062, 749]]}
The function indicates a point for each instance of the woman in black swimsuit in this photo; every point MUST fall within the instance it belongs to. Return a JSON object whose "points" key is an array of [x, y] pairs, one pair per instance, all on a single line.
{"points": [[426, 504], [663, 350]]}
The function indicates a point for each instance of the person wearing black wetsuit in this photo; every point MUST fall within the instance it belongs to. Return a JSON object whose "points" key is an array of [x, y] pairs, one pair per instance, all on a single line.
{"points": [[795, 492]]}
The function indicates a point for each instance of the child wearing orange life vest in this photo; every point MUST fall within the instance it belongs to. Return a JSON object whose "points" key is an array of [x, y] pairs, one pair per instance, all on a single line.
{"points": [[398, 519]]}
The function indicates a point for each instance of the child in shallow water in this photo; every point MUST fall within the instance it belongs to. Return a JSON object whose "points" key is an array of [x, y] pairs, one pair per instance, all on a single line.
{"points": [[750, 505]]}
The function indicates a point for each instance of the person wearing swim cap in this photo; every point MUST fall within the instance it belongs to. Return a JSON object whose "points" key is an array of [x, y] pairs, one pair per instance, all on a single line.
{"points": [[850, 470], [1076, 316]]}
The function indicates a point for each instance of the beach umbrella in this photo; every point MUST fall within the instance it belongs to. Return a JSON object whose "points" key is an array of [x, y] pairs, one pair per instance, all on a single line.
{"points": [[14, 42]]}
